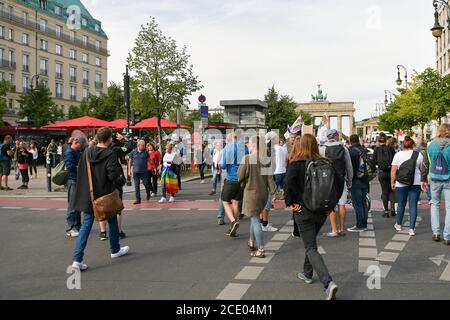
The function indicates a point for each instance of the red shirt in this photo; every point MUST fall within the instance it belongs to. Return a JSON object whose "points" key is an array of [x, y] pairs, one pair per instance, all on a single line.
{"points": [[155, 158]]}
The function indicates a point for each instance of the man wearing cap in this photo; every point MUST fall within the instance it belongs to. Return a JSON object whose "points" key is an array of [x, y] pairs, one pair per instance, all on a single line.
{"points": [[71, 160], [339, 155]]}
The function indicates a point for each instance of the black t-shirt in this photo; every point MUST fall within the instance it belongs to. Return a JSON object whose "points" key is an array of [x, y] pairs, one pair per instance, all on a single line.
{"points": [[4, 152]]}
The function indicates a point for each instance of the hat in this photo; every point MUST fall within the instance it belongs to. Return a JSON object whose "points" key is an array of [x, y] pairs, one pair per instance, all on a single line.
{"points": [[332, 133]]}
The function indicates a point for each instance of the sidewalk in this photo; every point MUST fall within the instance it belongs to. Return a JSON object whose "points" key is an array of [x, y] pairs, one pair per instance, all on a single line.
{"points": [[38, 187]]}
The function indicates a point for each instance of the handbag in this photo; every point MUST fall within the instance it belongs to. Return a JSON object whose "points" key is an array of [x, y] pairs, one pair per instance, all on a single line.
{"points": [[107, 206]]}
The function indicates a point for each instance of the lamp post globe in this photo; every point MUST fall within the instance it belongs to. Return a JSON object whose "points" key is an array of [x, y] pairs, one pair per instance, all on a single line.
{"points": [[437, 31]]}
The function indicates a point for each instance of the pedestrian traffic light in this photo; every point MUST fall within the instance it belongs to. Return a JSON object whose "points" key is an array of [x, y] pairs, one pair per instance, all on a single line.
{"points": [[136, 117]]}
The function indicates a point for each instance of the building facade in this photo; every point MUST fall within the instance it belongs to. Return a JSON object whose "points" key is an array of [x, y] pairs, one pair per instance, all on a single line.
{"points": [[55, 42], [246, 114], [443, 44]]}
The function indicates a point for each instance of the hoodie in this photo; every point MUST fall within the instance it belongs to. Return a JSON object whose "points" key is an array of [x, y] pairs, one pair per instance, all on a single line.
{"points": [[438, 145], [106, 174]]}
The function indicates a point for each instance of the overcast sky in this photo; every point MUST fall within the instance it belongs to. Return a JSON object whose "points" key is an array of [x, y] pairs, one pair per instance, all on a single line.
{"points": [[240, 48]]}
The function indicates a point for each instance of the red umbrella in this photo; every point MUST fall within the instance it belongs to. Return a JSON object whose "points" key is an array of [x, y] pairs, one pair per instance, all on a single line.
{"points": [[118, 124], [152, 123], [84, 122]]}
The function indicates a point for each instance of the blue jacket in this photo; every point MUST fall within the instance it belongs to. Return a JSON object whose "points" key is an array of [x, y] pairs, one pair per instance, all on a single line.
{"points": [[438, 145], [71, 160], [231, 159]]}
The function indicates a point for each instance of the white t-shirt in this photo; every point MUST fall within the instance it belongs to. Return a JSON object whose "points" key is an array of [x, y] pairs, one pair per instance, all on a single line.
{"points": [[35, 154], [403, 156], [171, 158], [281, 155]]}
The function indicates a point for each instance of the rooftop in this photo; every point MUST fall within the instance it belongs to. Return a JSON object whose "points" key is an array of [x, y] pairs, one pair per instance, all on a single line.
{"points": [[250, 102]]}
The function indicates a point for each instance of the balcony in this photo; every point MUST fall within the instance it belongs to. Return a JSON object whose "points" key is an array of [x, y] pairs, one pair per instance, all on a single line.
{"points": [[59, 76], [98, 85], [73, 78], [73, 98], [43, 72], [26, 68], [8, 64], [59, 95], [86, 81]]}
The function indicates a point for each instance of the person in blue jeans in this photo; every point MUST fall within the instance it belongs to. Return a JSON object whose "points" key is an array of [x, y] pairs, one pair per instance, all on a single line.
{"points": [[138, 160], [71, 160], [105, 176], [405, 193], [360, 187], [439, 154]]}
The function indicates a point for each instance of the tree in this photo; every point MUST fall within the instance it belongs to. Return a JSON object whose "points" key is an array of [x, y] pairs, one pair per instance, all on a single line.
{"points": [[161, 73], [5, 87], [38, 105], [281, 110], [308, 119]]}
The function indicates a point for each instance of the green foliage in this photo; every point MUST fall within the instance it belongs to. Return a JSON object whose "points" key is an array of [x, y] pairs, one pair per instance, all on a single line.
{"points": [[281, 110], [5, 87], [38, 105], [307, 118]]}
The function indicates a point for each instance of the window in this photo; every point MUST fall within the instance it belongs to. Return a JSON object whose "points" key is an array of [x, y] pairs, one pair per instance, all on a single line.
{"points": [[59, 90], [45, 83], [25, 39], [73, 74], [85, 41], [11, 58], [98, 77], [85, 93], [11, 77], [25, 63], [97, 94], [85, 77], [10, 12], [59, 71], [2, 76], [84, 22], [2, 52], [72, 36], [98, 62], [11, 35], [85, 58], [43, 67], [58, 30], [2, 32], [25, 81], [58, 10], [1, 9], [11, 104], [97, 27], [43, 25], [59, 50], [73, 54], [97, 45], [43, 4], [44, 45], [25, 17], [73, 93]]}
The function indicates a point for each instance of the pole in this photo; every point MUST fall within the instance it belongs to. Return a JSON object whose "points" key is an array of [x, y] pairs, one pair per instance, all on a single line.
{"points": [[49, 172], [126, 95]]}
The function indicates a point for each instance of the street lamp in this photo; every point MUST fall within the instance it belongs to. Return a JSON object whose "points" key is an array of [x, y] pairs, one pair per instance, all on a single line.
{"points": [[399, 80], [437, 29], [379, 107], [386, 93]]}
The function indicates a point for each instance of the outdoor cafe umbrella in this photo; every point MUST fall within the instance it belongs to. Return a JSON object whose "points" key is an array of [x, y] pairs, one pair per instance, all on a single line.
{"points": [[83, 122], [118, 124], [152, 123]]}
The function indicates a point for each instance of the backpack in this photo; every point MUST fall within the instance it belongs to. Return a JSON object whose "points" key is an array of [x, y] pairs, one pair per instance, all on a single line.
{"points": [[60, 174], [407, 170], [439, 169], [3, 155], [337, 156], [384, 158], [321, 193], [367, 169]]}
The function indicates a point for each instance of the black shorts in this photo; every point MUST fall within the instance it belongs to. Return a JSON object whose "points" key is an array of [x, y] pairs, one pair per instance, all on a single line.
{"points": [[5, 168], [232, 191]]}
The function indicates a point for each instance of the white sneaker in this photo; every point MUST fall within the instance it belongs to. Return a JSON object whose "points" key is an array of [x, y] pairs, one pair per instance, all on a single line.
{"points": [[163, 200], [412, 232], [172, 199], [398, 227], [80, 265], [269, 228], [202, 182], [153, 194], [123, 251], [72, 233]]}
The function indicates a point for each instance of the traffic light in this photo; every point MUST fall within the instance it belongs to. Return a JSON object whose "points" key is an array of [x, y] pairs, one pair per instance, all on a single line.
{"points": [[136, 117]]}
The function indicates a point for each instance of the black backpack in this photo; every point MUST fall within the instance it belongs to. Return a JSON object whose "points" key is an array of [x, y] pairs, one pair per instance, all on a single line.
{"points": [[407, 170], [321, 193], [384, 158], [337, 156], [367, 169]]}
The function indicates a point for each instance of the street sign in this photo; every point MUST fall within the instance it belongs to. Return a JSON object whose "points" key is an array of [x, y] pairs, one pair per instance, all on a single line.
{"points": [[204, 111], [202, 99]]}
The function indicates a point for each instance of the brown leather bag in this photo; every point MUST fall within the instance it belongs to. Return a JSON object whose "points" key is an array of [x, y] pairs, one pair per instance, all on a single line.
{"points": [[107, 206]]}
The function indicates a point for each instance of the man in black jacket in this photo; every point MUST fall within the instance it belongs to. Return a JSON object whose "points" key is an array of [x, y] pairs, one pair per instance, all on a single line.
{"points": [[105, 174], [360, 186]]}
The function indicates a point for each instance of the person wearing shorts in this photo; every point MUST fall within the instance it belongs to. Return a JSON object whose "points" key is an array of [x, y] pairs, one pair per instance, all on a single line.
{"points": [[5, 163]]}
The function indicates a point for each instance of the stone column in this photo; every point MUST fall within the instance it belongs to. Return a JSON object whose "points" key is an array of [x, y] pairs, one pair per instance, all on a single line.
{"points": [[339, 123]]}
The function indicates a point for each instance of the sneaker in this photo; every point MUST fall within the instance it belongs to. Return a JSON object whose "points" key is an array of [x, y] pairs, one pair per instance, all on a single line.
{"points": [[136, 202], [212, 193], [436, 237], [72, 233], [397, 227], [21, 187], [31, 178], [355, 229], [148, 197], [153, 194], [430, 203], [331, 234], [172, 199], [220, 222], [233, 229], [202, 182], [295, 235], [123, 251], [269, 228], [331, 291], [393, 214], [103, 236], [122, 235], [80, 265], [412, 232], [163, 200], [302, 276]]}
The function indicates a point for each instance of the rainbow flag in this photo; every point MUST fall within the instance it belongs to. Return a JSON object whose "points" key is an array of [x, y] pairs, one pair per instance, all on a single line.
{"points": [[170, 180]]}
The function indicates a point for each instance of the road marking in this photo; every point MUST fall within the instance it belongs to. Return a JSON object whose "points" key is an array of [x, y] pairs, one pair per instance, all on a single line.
{"points": [[38, 209], [287, 229], [367, 234], [438, 261], [233, 291], [179, 209], [368, 253], [150, 209], [395, 246], [387, 256], [369, 220], [205, 200], [364, 264], [367, 242], [281, 237], [370, 227], [401, 237], [321, 250], [383, 268], [61, 209], [249, 273], [273, 246], [290, 223], [12, 208], [267, 259], [207, 209]]}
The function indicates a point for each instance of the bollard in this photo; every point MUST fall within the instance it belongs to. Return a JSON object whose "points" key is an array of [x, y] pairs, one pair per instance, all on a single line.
{"points": [[49, 173]]}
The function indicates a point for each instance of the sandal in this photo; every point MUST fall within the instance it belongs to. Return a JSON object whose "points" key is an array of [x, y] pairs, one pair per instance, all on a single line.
{"points": [[260, 253], [251, 245]]}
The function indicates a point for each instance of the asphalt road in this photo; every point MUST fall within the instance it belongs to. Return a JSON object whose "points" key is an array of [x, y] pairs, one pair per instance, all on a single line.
{"points": [[181, 253]]}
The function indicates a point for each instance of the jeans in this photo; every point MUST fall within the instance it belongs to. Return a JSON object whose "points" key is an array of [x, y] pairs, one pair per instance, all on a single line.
{"points": [[153, 181], [73, 216], [138, 176], [387, 194], [221, 213], [33, 166], [429, 198], [201, 168], [309, 225], [215, 179], [16, 169], [359, 192], [88, 221], [256, 234], [279, 180], [178, 172], [404, 194], [437, 188]]}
